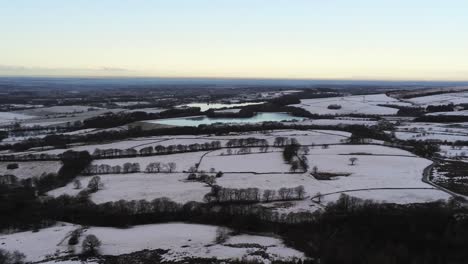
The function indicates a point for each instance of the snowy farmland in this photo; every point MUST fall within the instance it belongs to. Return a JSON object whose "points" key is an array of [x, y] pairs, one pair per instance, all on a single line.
{"points": [[10, 117], [441, 99], [30, 169], [393, 170], [137, 186], [377, 168], [181, 240], [358, 104]]}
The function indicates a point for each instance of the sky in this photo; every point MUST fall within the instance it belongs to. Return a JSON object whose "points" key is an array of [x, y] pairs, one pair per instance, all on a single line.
{"points": [[285, 39]]}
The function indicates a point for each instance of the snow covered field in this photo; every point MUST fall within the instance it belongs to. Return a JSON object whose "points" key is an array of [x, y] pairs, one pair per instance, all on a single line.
{"points": [[386, 168], [441, 99], [377, 167], [137, 186], [10, 117], [182, 240], [29, 169], [254, 162], [358, 104], [432, 131]]}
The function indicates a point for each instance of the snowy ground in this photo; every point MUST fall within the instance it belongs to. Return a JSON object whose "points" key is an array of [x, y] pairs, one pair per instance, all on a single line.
{"points": [[386, 168], [10, 117], [432, 131], [449, 152], [137, 186], [441, 99], [254, 162], [182, 240], [359, 104], [376, 167], [29, 169]]}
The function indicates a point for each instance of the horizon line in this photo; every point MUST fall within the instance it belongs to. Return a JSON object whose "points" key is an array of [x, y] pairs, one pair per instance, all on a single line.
{"points": [[230, 78]]}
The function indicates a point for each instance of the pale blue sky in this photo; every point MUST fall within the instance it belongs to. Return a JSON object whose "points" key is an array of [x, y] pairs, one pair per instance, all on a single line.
{"points": [[366, 39]]}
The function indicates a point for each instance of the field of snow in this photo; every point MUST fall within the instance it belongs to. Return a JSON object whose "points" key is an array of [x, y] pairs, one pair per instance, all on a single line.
{"points": [[9, 117], [39, 245], [358, 104], [137, 186], [430, 136], [254, 162], [441, 99], [433, 131], [386, 168], [29, 169], [449, 152], [182, 240]]}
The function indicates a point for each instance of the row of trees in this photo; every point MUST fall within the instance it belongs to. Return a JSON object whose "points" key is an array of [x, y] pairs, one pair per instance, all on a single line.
{"points": [[220, 194], [129, 167], [246, 142], [157, 150]]}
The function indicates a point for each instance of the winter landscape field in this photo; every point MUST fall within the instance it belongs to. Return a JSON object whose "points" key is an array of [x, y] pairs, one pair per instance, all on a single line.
{"points": [[234, 132], [161, 192]]}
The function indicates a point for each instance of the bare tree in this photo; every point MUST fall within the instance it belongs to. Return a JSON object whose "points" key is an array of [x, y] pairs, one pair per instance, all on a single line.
{"points": [[171, 166], [95, 184], [299, 191], [269, 195], [91, 244], [294, 166], [77, 184], [353, 160]]}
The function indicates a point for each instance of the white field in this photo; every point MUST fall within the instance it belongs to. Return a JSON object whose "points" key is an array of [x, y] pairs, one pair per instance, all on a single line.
{"points": [[182, 240], [441, 99], [377, 167], [449, 152], [358, 104], [9, 117], [254, 162], [435, 131], [137, 186], [430, 136], [29, 169], [371, 171]]}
